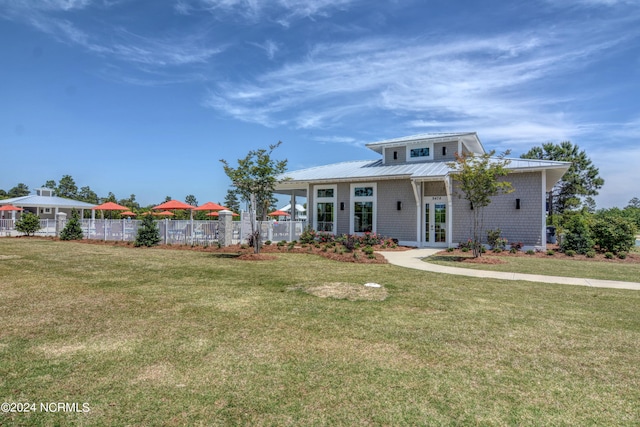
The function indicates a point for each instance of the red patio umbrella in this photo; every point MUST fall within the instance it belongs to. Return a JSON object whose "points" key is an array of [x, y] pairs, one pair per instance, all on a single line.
{"points": [[210, 206], [172, 205], [164, 213], [279, 213], [110, 206], [128, 213], [218, 214], [7, 208]]}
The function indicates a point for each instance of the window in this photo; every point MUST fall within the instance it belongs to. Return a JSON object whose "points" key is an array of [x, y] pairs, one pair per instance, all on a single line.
{"points": [[363, 212], [419, 152], [324, 209], [444, 150], [395, 155]]}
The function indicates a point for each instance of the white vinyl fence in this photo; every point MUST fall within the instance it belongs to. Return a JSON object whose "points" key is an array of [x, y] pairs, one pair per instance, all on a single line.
{"points": [[202, 233]]}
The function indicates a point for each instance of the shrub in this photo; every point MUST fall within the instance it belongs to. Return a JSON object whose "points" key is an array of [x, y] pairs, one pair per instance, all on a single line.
{"points": [[517, 246], [450, 249], [268, 242], [367, 250], [614, 234], [28, 223], [281, 243], [622, 255], [308, 235], [497, 250], [465, 249], [550, 252], [608, 255], [493, 236], [468, 245], [570, 252], [577, 235], [513, 250], [72, 229], [148, 233], [591, 254], [530, 252]]}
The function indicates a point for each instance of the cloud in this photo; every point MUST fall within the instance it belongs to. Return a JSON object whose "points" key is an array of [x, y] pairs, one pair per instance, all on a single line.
{"points": [[280, 11]]}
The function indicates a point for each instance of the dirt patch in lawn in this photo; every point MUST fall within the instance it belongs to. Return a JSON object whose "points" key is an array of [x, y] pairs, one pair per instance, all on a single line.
{"points": [[344, 290]]}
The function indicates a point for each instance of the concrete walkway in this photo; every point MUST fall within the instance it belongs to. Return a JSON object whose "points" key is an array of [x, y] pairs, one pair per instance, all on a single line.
{"points": [[413, 259]]}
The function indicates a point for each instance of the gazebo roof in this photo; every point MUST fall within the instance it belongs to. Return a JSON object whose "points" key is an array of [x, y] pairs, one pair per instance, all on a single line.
{"points": [[38, 201]]}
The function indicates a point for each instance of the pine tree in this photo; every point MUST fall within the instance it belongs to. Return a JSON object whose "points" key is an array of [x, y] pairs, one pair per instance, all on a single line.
{"points": [[72, 229], [148, 233]]}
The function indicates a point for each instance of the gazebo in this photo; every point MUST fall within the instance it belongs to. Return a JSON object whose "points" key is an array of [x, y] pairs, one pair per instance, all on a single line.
{"points": [[46, 205]]}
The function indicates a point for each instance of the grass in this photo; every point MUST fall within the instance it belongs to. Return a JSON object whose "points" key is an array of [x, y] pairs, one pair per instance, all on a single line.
{"points": [[165, 337], [555, 265]]}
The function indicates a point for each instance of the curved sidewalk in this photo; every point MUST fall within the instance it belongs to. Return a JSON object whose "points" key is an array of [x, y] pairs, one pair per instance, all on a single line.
{"points": [[413, 259]]}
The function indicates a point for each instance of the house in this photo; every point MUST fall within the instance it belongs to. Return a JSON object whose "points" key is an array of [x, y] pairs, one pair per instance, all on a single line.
{"points": [[46, 205], [409, 194]]}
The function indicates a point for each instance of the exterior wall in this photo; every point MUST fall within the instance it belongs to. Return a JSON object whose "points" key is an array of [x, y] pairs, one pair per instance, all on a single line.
{"points": [[434, 188], [391, 222], [517, 225], [343, 216], [388, 155], [451, 147]]}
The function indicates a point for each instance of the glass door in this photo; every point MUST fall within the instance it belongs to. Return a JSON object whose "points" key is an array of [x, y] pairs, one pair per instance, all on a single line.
{"points": [[435, 221]]}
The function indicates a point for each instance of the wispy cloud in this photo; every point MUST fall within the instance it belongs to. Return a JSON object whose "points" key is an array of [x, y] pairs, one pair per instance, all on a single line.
{"points": [[281, 11], [476, 82], [115, 43]]}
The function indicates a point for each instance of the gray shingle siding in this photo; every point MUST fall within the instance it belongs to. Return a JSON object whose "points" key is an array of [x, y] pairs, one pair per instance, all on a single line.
{"points": [[401, 154], [451, 148], [517, 225], [391, 222]]}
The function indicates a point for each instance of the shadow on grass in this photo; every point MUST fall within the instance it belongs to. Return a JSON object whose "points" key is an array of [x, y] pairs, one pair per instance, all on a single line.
{"points": [[447, 258], [225, 255]]}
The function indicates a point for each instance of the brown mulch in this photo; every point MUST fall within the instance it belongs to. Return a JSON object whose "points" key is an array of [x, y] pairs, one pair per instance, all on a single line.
{"points": [[491, 257], [266, 252]]}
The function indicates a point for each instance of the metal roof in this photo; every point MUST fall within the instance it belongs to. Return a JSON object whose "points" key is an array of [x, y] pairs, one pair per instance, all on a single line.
{"points": [[470, 139], [374, 169], [35, 200]]}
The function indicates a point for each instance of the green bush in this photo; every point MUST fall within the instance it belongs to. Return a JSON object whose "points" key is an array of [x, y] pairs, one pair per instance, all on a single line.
{"points": [[608, 255], [570, 252], [268, 242], [591, 254], [550, 252], [308, 235], [72, 229], [614, 234], [577, 235], [148, 233], [28, 223], [513, 251], [622, 255], [530, 252]]}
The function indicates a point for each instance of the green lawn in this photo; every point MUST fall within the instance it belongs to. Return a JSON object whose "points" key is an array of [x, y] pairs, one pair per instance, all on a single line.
{"points": [[168, 337], [556, 265]]}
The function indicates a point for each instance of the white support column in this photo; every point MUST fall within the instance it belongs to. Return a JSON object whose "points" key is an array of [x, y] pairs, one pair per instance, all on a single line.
{"points": [[447, 186], [417, 195], [543, 238]]}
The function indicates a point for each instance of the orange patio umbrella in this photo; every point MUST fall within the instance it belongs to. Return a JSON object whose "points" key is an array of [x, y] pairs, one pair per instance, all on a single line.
{"points": [[7, 208], [109, 206], [172, 205], [164, 213], [210, 206], [128, 213], [218, 214], [279, 213]]}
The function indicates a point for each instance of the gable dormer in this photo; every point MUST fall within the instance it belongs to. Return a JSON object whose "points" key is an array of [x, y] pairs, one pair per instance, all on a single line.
{"points": [[426, 148]]}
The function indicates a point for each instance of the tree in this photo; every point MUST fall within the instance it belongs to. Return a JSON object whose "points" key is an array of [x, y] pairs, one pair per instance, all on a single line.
{"points": [[191, 200], [580, 180], [67, 188], [148, 233], [72, 229], [254, 180], [634, 203], [19, 190], [477, 177], [110, 198], [87, 195], [28, 223], [3, 194], [130, 202], [50, 184], [231, 201]]}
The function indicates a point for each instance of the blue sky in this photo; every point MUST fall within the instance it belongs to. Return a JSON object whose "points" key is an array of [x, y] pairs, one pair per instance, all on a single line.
{"points": [[146, 96]]}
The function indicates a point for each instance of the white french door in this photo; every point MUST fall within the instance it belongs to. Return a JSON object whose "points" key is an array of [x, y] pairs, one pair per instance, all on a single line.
{"points": [[435, 221]]}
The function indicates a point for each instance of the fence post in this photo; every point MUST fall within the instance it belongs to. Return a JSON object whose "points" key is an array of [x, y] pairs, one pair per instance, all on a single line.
{"points": [[225, 228], [61, 217]]}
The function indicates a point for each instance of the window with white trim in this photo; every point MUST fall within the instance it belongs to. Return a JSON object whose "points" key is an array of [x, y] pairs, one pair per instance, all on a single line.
{"points": [[325, 208], [363, 208]]}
